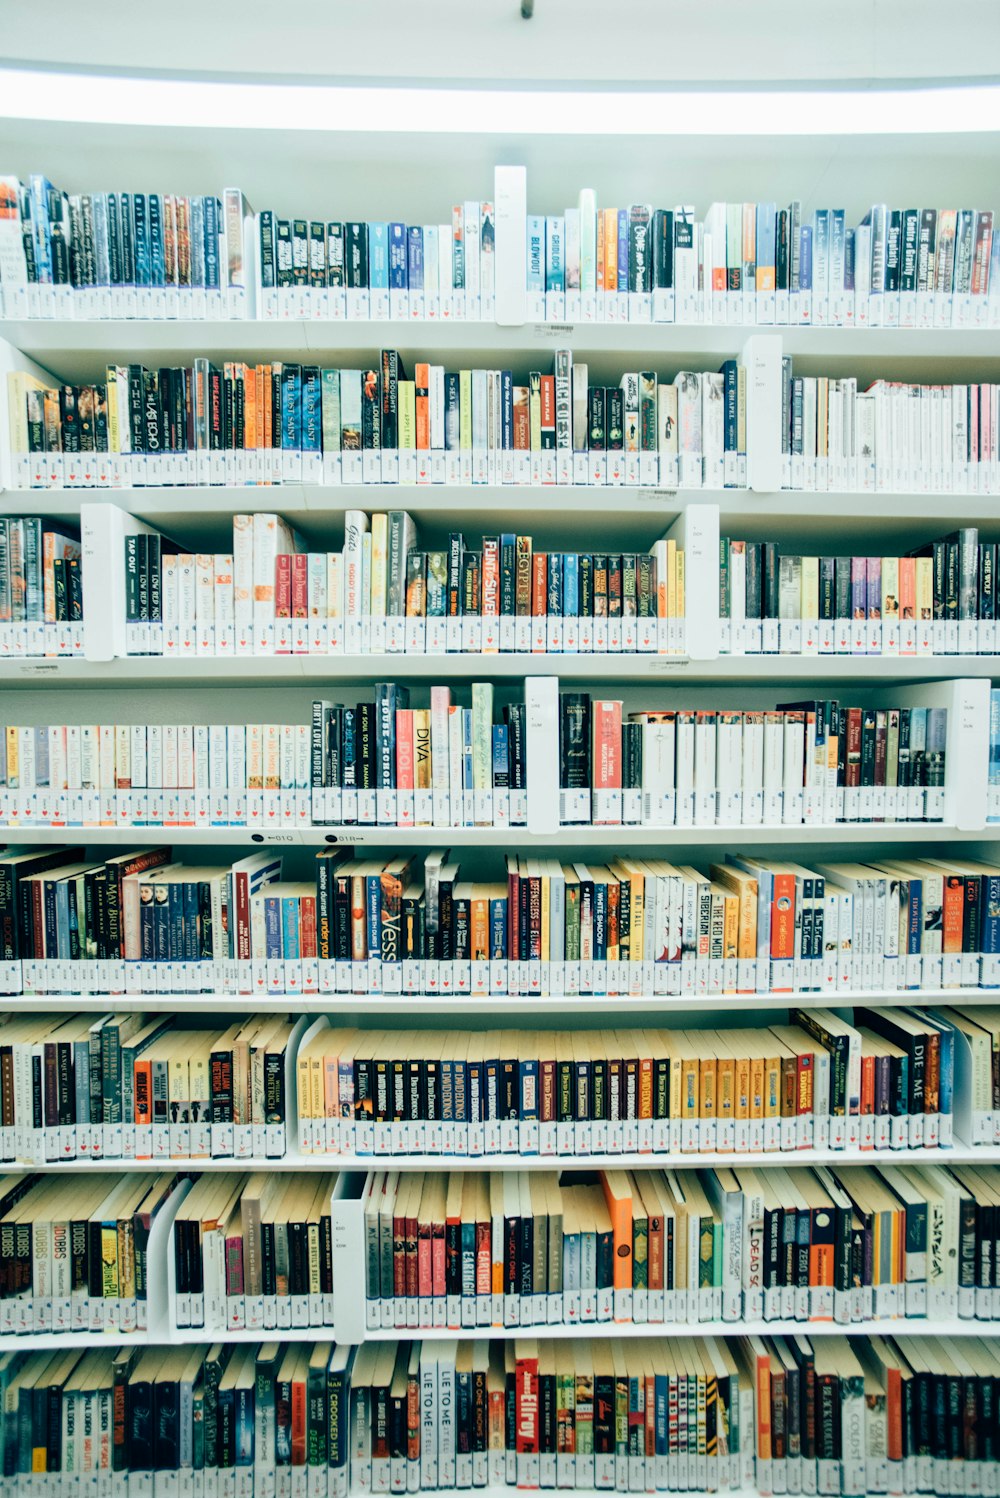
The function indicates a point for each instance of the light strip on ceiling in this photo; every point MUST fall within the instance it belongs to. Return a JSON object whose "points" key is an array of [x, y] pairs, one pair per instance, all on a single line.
{"points": [[99, 99]]}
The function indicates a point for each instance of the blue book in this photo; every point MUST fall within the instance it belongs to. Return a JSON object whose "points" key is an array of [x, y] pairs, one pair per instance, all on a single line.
{"points": [[415, 258], [849, 258], [571, 584], [291, 407], [821, 250], [767, 220], [474, 1091], [378, 257], [536, 252], [730, 405], [39, 188], [838, 245], [373, 913], [623, 249], [273, 935], [528, 1091], [190, 901], [459, 1092], [349, 747], [989, 914], [467, 779], [157, 253], [397, 257], [212, 272], [244, 1425], [555, 253], [290, 926], [141, 236], [498, 930], [806, 258], [501, 761], [946, 1082], [312, 410], [554, 600], [452, 411], [447, 1090], [468, 1237], [660, 1395]]}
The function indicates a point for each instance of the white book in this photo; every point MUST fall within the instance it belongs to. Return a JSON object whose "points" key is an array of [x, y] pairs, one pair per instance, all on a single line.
{"points": [[355, 529]]}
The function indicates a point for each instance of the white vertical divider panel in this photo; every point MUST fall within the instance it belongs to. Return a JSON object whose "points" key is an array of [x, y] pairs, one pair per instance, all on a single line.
{"points": [[350, 1292], [696, 531], [103, 528], [510, 194], [161, 1270], [293, 1124], [761, 358], [11, 361], [967, 745], [541, 696]]}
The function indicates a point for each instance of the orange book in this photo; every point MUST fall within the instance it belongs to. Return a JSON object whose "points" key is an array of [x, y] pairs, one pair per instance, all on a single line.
{"points": [[618, 1195], [954, 906], [725, 1088], [645, 1086], [868, 1084], [422, 392], [142, 1088], [479, 924], [299, 1444], [522, 419], [266, 404], [250, 440], [610, 249], [708, 1077], [894, 1413], [599, 258], [763, 1362], [757, 1079], [783, 916], [741, 1085]]}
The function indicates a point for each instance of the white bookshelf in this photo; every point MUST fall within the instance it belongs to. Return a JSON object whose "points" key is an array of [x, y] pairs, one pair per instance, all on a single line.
{"points": [[404, 169]]}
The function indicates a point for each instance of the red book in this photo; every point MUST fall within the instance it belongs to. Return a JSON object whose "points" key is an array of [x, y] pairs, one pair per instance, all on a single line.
{"points": [[300, 585], [526, 1404], [606, 718], [783, 916], [307, 927]]}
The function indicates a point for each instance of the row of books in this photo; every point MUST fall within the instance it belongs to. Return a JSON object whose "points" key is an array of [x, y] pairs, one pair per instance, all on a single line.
{"points": [[410, 924], [384, 763], [890, 438], [939, 600], [378, 763], [288, 423], [134, 1088], [833, 1414], [126, 1087], [382, 594], [529, 1248], [162, 255], [885, 1082], [255, 1251], [94, 255], [533, 1248], [756, 263], [41, 589], [804, 763], [74, 1255]]}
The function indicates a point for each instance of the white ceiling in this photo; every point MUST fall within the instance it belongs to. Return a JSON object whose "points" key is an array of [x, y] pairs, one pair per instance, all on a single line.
{"points": [[643, 41]]}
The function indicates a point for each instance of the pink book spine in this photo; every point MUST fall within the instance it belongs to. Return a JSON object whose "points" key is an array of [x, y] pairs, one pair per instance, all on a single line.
{"points": [[484, 1263], [299, 584], [234, 1265], [345, 1088], [404, 748], [283, 586], [607, 745]]}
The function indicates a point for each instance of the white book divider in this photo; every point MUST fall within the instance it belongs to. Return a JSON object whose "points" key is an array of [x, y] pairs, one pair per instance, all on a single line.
{"points": [[541, 698], [103, 528], [350, 1288], [295, 1126], [962, 802], [696, 531], [510, 192], [161, 1280], [761, 358]]}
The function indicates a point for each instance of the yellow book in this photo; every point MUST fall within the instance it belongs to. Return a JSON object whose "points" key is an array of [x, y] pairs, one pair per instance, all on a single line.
{"points": [[534, 411], [546, 883], [925, 587], [890, 587], [731, 929], [422, 748], [304, 1091], [380, 552], [465, 409], [679, 605], [407, 406], [13, 760], [772, 1086], [114, 426], [725, 1084]]}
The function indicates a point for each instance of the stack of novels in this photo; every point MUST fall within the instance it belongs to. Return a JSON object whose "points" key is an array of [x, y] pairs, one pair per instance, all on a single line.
{"points": [[382, 593], [73, 1255], [938, 600], [829, 1413], [106, 254], [377, 763], [894, 438], [412, 925], [756, 263], [124, 1087], [310, 268], [289, 423], [818, 1083], [527, 1248], [41, 590], [808, 763], [254, 1252]]}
